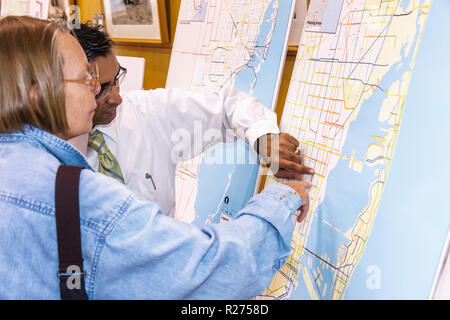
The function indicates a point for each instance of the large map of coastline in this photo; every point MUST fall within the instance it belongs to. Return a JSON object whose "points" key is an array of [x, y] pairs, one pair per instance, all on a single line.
{"points": [[217, 44], [367, 103]]}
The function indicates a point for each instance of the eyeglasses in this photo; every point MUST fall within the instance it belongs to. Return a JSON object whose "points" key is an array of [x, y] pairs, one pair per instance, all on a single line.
{"points": [[93, 81], [106, 88]]}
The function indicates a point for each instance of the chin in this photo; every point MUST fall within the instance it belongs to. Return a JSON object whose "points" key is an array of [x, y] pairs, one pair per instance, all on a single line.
{"points": [[110, 115], [104, 121]]}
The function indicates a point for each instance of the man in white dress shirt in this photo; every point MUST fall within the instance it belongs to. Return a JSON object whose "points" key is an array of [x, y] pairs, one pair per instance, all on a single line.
{"points": [[141, 128]]}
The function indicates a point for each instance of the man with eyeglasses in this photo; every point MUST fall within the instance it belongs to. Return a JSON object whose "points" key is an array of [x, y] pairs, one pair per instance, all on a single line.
{"points": [[134, 143]]}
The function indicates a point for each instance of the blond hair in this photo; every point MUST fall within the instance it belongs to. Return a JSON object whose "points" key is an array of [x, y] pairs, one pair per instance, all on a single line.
{"points": [[31, 75]]}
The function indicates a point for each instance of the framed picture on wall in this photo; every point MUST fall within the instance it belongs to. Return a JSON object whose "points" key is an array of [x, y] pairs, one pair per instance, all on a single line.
{"points": [[60, 9], [34, 8], [139, 21]]}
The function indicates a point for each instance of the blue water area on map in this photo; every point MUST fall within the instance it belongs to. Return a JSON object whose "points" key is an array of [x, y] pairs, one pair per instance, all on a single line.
{"points": [[245, 79], [213, 178], [404, 4], [346, 191], [412, 221], [267, 76], [413, 218]]}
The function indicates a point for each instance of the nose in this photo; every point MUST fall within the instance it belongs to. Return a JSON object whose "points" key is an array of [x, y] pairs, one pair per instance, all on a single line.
{"points": [[114, 97]]}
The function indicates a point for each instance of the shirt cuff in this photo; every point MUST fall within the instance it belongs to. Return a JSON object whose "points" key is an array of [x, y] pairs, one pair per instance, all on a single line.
{"points": [[276, 204], [259, 129]]}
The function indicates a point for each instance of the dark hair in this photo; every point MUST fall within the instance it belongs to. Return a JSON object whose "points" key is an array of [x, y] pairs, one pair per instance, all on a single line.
{"points": [[95, 42]]}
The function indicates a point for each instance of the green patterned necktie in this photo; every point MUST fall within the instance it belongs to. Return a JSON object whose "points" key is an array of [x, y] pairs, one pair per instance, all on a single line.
{"points": [[108, 164]]}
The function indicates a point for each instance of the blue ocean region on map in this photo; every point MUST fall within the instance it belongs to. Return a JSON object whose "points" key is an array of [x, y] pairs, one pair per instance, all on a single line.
{"points": [[344, 189], [234, 191], [345, 105], [409, 234], [234, 184], [267, 54]]}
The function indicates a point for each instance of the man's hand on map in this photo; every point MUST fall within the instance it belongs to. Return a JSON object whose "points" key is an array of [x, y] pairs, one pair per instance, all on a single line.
{"points": [[301, 189], [280, 152]]}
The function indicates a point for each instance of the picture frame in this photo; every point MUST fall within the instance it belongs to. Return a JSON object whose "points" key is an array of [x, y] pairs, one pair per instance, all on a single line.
{"points": [[34, 8], [60, 9], [136, 21]]}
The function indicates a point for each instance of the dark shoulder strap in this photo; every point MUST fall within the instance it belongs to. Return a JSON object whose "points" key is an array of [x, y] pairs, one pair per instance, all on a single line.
{"points": [[71, 273]]}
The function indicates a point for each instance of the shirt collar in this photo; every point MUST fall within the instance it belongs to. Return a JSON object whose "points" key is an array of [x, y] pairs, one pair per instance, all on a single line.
{"points": [[108, 130], [63, 151]]}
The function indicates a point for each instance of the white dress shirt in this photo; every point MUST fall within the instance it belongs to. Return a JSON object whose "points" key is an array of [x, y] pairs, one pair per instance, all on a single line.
{"points": [[149, 125]]}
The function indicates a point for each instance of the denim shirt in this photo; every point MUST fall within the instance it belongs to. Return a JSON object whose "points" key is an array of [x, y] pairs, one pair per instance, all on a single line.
{"points": [[130, 249]]}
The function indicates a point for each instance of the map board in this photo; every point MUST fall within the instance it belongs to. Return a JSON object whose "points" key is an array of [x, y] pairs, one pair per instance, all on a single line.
{"points": [[220, 43], [367, 102]]}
